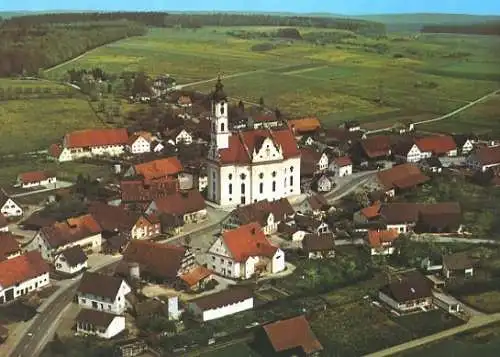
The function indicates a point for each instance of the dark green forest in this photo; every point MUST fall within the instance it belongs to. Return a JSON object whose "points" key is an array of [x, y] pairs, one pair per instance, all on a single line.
{"points": [[486, 28]]}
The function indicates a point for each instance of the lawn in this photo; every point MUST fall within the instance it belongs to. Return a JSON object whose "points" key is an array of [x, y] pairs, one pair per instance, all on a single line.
{"points": [[484, 342], [32, 125], [240, 350], [356, 78], [488, 301]]}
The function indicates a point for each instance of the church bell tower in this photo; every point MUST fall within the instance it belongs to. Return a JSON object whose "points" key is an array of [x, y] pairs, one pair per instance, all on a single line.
{"points": [[219, 118]]}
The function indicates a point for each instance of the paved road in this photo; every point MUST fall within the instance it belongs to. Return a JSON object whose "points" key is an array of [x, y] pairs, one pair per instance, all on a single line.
{"points": [[446, 116], [474, 322], [58, 185], [344, 189], [442, 239]]}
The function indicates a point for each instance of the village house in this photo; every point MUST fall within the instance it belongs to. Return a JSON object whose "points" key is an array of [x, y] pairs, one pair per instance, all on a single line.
{"points": [[83, 231], [319, 160], [139, 143], [290, 337], [35, 179], [290, 231], [184, 101], [425, 147], [263, 121], [249, 166], [322, 183], [319, 246], [464, 143], [154, 308], [155, 170], [484, 158], [190, 205], [141, 192], [310, 224], [351, 126], [304, 126], [432, 165], [367, 214], [224, 303], [340, 137], [156, 146], [400, 177], [99, 323], [406, 151], [341, 166], [22, 275], [382, 242], [267, 214], [9, 246], [243, 252], [411, 293], [457, 264], [103, 292], [165, 264], [71, 261], [90, 143], [315, 204], [178, 136], [4, 224], [377, 147], [8, 207]]}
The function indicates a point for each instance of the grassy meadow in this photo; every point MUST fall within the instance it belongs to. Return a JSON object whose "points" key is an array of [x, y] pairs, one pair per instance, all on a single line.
{"points": [[356, 78]]}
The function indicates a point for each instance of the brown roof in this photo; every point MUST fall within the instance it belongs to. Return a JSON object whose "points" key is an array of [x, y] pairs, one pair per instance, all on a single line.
{"points": [[438, 144], [242, 145], [71, 230], [311, 155], [259, 211], [139, 191], [226, 297], [19, 269], [318, 242], [8, 245], [318, 202], [181, 203], [458, 261], [396, 213], [37, 221], [100, 285], [488, 155], [401, 212], [3, 221], [343, 161], [55, 150], [444, 216], [112, 218], [34, 176], [401, 176], [157, 169], [74, 255], [292, 333], [340, 135], [160, 260], [96, 137], [304, 125], [413, 286], [194, 276], [95, 318], [377, 238], [376, 146]]}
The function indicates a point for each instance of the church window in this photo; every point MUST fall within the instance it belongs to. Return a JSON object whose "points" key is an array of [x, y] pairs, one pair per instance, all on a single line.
{"points": [[230, 176], [222, 127], [213, 127], [291, 180], [274, 186], [274, 173], [291, 168], [242, 188], [222, 108], [243, 176], [230, 188], [261, 187], [261, 175]]}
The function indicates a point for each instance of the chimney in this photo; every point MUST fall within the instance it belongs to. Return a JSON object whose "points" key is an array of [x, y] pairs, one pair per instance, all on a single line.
{"points": [[253, 231]]}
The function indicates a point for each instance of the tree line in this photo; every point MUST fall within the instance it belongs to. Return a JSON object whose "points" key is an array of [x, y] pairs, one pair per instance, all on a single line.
{"points": [[28, 47], [486, 28]]}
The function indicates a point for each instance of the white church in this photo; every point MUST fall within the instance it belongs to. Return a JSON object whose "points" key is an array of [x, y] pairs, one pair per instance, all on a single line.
{"points": [[249, 165]]}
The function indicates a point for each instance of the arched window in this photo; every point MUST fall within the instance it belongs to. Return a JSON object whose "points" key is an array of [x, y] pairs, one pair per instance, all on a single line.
{"points": [[291, 180], [242, 188], [230, 176], [274, 186], [243, 176], [261, 175], [261, 187], [274, 174], [222, 127], [291, 168], [230, 188]]}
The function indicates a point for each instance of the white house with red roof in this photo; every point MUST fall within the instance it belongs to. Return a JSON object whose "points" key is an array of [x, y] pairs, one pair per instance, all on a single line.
{"points": [[243, 252], [251, 165], [91, 142], [21, 275], [35, 179], [8, 207], [341, 166]]}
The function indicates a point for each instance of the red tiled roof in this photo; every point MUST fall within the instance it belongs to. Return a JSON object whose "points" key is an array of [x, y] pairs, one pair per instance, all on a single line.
{"points": [[71, 230], [242, 145], [196, 275], [401, 176], [376, 238], [304, 125], [112, 218], [181, 203], [310, 155], [488, 155], [8, 245], [55, 150], [248, 241], [22, 268], [34, 176], [161, 168], [376, 146], [96, 137], [343, 161], [3, 221], [372, 211], [438, 144], [292, 333], [139, 191]]}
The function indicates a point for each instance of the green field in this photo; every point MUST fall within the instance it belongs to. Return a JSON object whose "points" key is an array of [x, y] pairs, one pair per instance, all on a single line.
{"points": [[351, 79], [240, 350]]}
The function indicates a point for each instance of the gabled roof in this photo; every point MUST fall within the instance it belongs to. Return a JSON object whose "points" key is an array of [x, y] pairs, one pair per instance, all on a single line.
{"points": [[376, 146], [74, 255], [181, 203], [196, 275], [4, 197], [318, 202], [292, 333], [96, 137], [8, 245], [248, 241], [413, 286], [311, 155], [34, 176], [401, 176], [377, 238], [437, 144], [71, 230], [488, 155], [55, 150], [3, 221], [318, 242], [100, 285], [133, 138], [343, 161], [458, 261], [226, 297], [19, 269], [430, 214], [156, 169], [160, 260], [140, 191], [259, 211], [242, 145], [398, 213], [304, 125], [432, 162], [112, 218], [372, 211], [460, 139], [95, 318]]}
